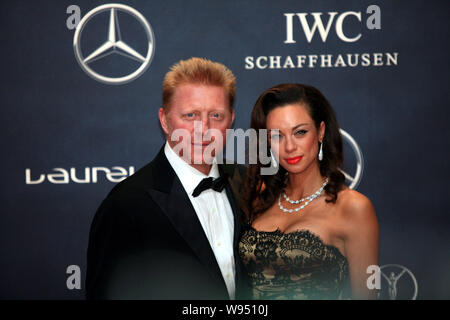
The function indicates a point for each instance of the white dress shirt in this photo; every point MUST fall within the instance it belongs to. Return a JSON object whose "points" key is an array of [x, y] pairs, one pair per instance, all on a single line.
{"points": [[213, 211]]}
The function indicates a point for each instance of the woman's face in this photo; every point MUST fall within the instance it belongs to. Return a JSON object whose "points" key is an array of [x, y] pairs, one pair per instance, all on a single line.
{"points": [[296, 142]]}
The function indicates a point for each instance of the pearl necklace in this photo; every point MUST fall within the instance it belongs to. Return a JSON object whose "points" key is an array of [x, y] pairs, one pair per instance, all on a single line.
{"points": [[307, 199]]}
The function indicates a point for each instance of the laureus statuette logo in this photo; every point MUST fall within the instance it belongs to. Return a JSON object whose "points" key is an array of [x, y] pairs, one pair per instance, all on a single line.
{"points": [[399, 283]]}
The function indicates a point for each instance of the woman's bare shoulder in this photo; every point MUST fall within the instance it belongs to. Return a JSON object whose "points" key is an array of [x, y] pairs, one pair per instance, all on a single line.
{"points": [[354, 205]]}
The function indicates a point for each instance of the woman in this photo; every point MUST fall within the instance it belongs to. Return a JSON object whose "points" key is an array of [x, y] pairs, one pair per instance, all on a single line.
{"points": [[308, 233]]}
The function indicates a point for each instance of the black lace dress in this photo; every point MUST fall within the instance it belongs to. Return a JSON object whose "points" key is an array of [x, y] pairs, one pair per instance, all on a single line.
{"points": [[295, 265]]}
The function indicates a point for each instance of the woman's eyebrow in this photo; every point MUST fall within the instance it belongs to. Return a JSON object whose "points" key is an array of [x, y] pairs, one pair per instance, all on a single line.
{"points": [[299, 125]]}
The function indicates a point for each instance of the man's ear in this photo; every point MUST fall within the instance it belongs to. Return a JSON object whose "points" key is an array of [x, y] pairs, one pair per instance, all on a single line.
{"points": [[322, 131], [163, 120], [232, 117]]}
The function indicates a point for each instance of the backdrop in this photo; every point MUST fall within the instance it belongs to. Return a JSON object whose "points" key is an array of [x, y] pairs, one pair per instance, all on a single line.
{"points": [[79, 113]]}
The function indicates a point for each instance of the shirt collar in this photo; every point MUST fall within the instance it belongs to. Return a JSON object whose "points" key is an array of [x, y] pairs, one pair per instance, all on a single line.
{"points": [[188, 175]]}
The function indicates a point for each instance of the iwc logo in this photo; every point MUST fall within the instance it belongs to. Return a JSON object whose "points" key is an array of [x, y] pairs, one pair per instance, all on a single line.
{"points": [[353, 180], [398, 283], [114, 43]]}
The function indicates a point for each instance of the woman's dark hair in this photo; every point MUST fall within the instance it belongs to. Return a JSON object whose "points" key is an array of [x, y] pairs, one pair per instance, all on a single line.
{"points": [[261, 191]]}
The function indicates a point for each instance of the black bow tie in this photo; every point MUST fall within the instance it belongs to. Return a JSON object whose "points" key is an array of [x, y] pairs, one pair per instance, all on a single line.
{"points": [[210, 183]]}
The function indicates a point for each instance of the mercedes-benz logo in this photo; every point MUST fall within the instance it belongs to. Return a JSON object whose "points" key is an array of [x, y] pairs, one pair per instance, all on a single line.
{"points": [[356, 178], [392, 279], [114, 44]]}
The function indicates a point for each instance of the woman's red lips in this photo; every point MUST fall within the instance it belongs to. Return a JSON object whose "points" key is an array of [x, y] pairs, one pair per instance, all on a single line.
{"points": [[293, 160]]}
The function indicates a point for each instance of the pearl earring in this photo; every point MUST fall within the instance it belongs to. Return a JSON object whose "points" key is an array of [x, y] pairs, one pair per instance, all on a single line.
{"points": [[320, 152]]}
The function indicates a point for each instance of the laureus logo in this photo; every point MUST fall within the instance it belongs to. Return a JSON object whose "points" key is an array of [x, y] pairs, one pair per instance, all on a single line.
{"points": [[91, 175], [398, 283], [114, 43]]}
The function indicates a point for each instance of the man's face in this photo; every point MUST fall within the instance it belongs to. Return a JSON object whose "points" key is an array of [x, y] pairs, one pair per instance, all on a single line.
{"points": [[196, 121]]}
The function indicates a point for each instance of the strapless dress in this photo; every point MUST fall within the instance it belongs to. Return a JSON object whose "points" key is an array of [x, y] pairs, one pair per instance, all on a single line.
{"points": [[296, 265]]}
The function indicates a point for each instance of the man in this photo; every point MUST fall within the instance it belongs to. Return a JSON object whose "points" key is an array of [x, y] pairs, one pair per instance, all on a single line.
{"points": [[170, 231]]}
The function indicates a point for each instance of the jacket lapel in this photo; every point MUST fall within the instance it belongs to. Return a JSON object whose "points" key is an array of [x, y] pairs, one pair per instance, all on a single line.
{"points": [[232, 190], [171, 197]]}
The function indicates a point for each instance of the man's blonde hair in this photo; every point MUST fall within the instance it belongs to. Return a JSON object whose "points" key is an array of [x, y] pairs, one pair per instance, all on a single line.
{"points": [[198, 71]]}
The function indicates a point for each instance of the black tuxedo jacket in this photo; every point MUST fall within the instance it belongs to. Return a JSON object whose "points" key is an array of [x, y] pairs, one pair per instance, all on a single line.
{"points": [[146, 241]]}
